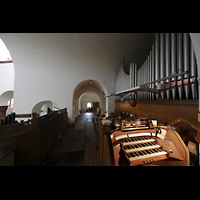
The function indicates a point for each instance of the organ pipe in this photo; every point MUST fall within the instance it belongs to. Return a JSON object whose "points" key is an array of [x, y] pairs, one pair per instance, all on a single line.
{"points": [[148, 78], [193, 72], [180, 55], [186, 63], [135, 79], [153, 69], [162, 59], [173, 61], [142, 79], [193, 68], [150, 73], [167, 61], [157, 69], [135, 74], [180, 64], [171, 54], [167, 55], [186, 53], [138, 83], [131, 74]]}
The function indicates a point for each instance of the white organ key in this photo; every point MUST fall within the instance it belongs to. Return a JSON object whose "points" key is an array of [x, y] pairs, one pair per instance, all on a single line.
{"points": [[133, 141], [151, 154], [141, 148]]}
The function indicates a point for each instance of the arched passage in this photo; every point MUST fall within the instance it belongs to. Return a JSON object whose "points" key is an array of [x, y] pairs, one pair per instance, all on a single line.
{"points": [[89, 87], [88, 100]]}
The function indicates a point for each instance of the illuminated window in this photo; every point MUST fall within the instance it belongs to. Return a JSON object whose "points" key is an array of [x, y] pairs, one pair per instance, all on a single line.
{"points": [[10, 103], [89, 105], [4, 53]]}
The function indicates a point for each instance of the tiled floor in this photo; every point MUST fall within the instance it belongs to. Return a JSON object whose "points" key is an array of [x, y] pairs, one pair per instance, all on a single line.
{"points": [[78, 146]]}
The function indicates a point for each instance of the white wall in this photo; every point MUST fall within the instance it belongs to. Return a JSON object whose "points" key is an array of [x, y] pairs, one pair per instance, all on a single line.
{"points": [[7, 77], [46, 67]]}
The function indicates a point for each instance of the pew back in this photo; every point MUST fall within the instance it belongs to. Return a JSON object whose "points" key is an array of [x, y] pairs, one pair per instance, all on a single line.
{"points": [[35, 138]]}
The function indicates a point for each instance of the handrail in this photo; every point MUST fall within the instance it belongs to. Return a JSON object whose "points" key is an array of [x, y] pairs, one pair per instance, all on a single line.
{"points": [[186, 121]]}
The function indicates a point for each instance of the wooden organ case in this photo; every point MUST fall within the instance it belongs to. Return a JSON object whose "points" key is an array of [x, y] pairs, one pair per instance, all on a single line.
{"points": [[138, 142]]}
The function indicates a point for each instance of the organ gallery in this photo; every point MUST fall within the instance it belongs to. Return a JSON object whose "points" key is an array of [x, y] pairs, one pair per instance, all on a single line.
{"points": [[106, 109]]}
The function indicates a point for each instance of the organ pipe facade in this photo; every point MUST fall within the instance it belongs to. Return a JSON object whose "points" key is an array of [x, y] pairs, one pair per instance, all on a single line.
{"points": [[170, 71]]}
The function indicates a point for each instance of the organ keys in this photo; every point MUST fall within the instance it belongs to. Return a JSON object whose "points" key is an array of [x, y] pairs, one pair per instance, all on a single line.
{"points": [[141, 150]]}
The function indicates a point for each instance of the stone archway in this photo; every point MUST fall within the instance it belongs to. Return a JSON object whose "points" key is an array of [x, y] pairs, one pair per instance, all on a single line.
{"points": [[89, 86], [88, 97]]}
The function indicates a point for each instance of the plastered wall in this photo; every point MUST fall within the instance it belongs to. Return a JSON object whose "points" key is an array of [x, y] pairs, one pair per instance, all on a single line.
{"points": [[49, 66]]}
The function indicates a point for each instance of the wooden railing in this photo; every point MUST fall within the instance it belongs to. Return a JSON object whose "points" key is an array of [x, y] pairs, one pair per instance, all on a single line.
{"points": [[34, 138]]}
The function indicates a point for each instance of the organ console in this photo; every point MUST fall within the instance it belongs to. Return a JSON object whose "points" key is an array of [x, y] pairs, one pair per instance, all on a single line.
{"points": [[142, 143]]}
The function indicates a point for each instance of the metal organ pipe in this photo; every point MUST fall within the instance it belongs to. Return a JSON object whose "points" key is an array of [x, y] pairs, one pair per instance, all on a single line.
{"points": [[167, 61], [186, 63], [153, 69], [193, 67], [186, 53], [193, 72], [148, 78], [135, 79], [131, 74], [162, 63], [150, 73], [173, 61], [173, 54], [142, 77], [143, 73], [135, 84], [180, 55], [180, 64], [138, 83], [157, 69]]}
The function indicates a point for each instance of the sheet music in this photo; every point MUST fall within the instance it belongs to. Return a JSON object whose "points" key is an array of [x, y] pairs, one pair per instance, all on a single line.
{"points": [[162, 135]]}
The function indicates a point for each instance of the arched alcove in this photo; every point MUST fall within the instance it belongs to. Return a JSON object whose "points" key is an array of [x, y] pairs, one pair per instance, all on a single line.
{"points": [[89, 86], [41, 107], [4, 98], [6, 76]]}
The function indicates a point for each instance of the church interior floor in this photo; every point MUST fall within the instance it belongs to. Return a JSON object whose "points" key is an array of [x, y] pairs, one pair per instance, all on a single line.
{"points": [[77, 146]]}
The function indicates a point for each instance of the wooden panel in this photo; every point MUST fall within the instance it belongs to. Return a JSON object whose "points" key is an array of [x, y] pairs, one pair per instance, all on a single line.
{"points": [[47, 137], [3, 111], [165, 111]]}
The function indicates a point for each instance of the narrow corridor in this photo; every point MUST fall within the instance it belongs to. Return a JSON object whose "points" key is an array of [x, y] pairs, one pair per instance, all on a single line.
{"points": [[78, 146]]}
